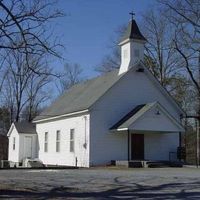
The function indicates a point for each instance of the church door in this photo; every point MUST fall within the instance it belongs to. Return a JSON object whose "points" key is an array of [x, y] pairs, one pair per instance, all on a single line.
{"points": [[137, 147]]}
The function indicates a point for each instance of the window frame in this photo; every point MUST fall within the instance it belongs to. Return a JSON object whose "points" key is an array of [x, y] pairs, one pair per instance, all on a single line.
{"points": [[58, 133], [14, 143], [72, 140]]}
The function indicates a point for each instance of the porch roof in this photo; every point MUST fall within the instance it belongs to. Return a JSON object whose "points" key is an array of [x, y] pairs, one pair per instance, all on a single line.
{"points": [[25, 127], [152, 117]]}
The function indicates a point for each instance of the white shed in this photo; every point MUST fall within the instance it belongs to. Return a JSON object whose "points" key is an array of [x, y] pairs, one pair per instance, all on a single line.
{"points": [[22, 142]]}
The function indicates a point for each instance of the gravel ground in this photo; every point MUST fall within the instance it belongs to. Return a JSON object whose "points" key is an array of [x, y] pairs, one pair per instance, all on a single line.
{"points": [[101, 183]]}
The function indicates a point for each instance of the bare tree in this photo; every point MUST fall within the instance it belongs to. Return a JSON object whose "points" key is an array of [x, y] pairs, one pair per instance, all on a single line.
{"points": [[184, 15], [113, 60], [24, 28], [36, 93], [160, 54], [25, 40], [71, 75], [22, 86], [4, 120], [17, 76]]}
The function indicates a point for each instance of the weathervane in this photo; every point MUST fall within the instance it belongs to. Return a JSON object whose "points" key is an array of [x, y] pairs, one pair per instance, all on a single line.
{"points": [[132, 15]]}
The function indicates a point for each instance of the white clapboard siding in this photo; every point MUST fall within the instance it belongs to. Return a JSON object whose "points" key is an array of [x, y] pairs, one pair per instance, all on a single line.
{"points": [[65, 157]]}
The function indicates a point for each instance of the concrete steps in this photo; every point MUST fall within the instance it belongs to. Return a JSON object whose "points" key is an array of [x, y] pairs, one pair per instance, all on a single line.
{"points": [[160, 164], [32, 163], [147, 164], [35, 164]]}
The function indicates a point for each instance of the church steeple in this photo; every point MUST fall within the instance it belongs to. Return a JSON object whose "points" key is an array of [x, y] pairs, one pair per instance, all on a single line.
{"points": [[133, 32], [132, 46]]}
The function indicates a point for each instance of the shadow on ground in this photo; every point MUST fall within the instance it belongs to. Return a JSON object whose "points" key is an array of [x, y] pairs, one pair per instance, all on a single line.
{"points": [[133, 191]]}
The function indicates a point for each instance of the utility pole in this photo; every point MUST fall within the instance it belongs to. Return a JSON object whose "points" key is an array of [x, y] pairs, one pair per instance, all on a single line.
{"points": [[197, 150], [198, 119]]}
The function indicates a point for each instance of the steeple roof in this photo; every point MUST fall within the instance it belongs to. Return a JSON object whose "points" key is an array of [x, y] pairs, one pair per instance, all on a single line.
{"points": [[133, 32]]}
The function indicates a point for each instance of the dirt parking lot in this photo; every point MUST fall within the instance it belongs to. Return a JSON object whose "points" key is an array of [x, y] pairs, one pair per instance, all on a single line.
{"points": [[101, 183]]}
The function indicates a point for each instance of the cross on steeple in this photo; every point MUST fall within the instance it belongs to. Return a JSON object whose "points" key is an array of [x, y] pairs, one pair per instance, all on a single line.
{"points": [[132, 15]]}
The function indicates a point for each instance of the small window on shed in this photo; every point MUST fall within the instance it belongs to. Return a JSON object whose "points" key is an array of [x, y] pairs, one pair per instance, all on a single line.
{"points": [[14, 140], [72, 140]]}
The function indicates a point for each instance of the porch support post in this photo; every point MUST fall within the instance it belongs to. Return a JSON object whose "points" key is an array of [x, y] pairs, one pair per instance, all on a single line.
{"points": [[180, 145], [180, 139], [128, 140]]}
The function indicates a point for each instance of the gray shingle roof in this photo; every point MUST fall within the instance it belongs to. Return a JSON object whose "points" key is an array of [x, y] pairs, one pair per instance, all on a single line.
{"points": [[132, 116], [123, 121], [133, 32], [81, 96], [25, 127]]}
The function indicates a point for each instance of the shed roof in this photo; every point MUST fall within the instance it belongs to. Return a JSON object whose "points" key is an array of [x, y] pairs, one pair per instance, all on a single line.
{"points": [[25, 127]]}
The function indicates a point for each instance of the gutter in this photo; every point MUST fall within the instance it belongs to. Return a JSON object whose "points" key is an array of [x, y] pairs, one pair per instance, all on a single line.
{"points": [[60, 116]]}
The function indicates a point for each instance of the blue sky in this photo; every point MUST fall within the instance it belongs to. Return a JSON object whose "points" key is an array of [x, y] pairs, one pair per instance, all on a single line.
{"points": [[88, 27]]}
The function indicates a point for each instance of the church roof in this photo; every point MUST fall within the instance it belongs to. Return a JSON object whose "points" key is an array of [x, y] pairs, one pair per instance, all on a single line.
{"points": [[133, 32], [80, 96]]}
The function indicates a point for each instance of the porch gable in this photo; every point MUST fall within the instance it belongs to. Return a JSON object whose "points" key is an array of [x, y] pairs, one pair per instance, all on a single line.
{"points": [[150, 117]]}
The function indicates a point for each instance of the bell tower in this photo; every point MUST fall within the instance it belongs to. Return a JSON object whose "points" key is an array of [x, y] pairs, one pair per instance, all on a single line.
{"points": [[132, 46]]}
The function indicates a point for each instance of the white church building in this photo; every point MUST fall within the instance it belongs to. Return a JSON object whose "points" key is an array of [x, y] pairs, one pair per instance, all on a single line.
{"points": [[122, 115]]}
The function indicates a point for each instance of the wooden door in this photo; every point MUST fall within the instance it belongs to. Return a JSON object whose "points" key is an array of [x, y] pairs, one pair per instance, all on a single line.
{"points": [[137, 147], [28, 147]]}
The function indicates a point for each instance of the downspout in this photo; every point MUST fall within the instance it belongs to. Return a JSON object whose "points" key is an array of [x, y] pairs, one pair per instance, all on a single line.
{"points": [[85, 143]]}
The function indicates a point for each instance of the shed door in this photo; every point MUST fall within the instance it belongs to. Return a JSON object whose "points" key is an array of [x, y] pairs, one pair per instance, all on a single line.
{"points": [[28, 147], [137, 147]]}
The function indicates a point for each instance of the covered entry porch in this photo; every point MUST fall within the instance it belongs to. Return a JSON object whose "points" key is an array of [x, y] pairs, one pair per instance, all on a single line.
{"points": [[152, 133], [154, 146]]}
